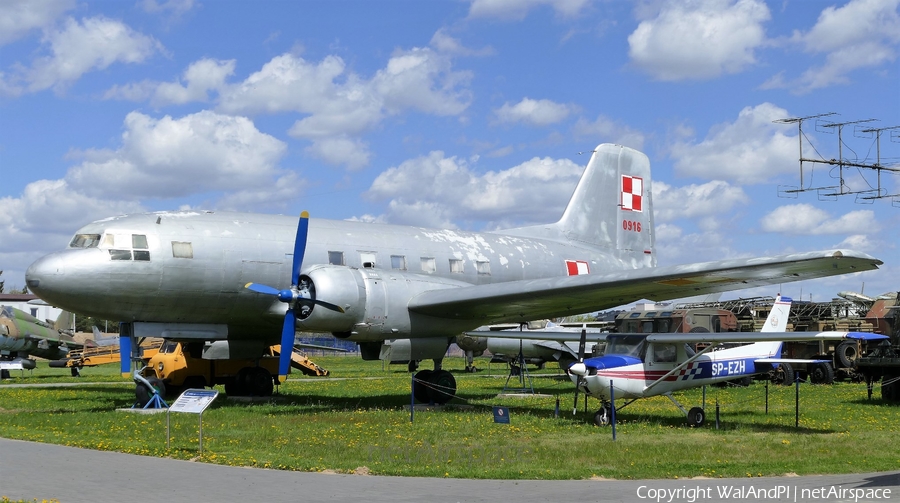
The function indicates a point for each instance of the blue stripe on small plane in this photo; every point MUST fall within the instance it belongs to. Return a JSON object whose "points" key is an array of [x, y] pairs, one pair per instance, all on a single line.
{"points": [[610, 361]]}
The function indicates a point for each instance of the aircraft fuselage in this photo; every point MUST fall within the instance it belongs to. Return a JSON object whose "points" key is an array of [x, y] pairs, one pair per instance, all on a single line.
{"points": [[191, 267]]}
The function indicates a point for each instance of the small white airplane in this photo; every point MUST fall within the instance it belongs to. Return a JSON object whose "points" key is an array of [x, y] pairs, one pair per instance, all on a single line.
{"points": [[643, 365]]}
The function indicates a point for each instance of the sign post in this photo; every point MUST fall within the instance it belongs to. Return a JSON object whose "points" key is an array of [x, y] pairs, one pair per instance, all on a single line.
{"points": [[192, 401]]}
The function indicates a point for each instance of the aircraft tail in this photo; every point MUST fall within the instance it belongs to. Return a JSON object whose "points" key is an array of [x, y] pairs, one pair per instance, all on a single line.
{"points": [[65, 322], [776, 322], [611, 207]]}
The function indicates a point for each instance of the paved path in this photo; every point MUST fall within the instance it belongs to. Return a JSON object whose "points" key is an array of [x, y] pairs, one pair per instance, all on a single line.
{"points": [[31, 470]]}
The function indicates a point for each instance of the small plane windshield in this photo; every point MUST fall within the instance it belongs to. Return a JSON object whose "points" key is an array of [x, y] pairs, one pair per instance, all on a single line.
{"points": [[85, 241], [628, 345]]}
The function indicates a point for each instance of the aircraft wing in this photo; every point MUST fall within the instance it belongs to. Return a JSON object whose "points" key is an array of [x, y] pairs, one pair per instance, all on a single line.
{"points": [[720, 337], [541, 335], [568, 295]]}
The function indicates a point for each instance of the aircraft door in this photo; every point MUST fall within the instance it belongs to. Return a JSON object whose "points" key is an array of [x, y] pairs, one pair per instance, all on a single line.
{"points": [[376, 300]]}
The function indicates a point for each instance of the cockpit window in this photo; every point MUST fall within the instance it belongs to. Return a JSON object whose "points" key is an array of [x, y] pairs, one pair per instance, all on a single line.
{"points": [[139, 242], [85, 241], [629, 345], [120, 254]]}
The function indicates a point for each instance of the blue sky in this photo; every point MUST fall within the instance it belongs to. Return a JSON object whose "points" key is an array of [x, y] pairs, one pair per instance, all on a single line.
{"points": [[462, 114]]}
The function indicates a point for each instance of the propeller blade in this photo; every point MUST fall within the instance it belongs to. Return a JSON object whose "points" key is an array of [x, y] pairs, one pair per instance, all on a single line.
{"points": [[581, 343], [300, 247], [287, 344], [265, 289], [326, 305], [579, 368], [577, 385]]}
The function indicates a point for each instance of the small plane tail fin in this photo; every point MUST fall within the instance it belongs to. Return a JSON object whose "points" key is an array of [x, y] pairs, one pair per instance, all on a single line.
{"points": [[778, 316]]}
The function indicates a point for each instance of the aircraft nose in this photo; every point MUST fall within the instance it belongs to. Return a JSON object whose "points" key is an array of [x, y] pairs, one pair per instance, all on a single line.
{"points": [[41, 275]]}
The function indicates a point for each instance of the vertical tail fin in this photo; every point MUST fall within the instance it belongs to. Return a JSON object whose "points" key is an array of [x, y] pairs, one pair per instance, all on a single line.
{"points": [[778, 316], [612, 205], [65, 321]]}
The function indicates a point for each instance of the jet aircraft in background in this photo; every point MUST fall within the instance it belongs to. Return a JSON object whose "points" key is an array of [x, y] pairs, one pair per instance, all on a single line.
{"points": [[637, 366], [247, 280], [23, 336]]}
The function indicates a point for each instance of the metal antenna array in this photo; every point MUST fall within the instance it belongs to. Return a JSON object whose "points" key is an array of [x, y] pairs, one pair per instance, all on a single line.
{"points": [[843, 165]]}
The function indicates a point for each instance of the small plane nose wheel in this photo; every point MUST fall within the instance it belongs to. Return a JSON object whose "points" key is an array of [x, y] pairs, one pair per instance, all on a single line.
{"points": [[696, 417], [602, 416]]}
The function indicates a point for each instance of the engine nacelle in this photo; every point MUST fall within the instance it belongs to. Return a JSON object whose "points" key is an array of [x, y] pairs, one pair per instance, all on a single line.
{"points": [[375, 301], [472, 343]]}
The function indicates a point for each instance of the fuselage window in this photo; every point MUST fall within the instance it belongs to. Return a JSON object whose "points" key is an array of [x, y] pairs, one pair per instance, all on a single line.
{"points": [[428, 264], [139, 243], [182, 249], [367, 259], [85, 241], [456, 265], [398, 262], [120, 254], [336, 258], [483, 267]]}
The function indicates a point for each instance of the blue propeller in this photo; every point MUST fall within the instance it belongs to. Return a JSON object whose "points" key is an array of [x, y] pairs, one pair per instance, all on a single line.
{"points": [[292, 297]]}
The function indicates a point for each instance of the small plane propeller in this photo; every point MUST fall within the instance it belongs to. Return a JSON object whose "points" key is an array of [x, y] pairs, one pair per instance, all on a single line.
{"points": [[578, 368], [293, 297]]}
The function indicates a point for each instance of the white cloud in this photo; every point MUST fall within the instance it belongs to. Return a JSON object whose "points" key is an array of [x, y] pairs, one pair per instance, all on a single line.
{"points": [[173, 7], [534, 112], [18, 17], [78, 48], [805, 219], [750, 150], [341, 105], [166, 158], [606, 130], [337, 150], [699, 40], [859, 34], [695, 201], [534, 191], [517, 9]]}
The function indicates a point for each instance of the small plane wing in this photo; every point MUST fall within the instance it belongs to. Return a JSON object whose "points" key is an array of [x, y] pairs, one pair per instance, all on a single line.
{"points": [[566, 295]]}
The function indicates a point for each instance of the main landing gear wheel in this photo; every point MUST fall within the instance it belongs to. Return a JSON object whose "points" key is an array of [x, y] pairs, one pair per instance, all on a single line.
{"points": [[434, 386], [421, 386], [444, 388], [144, 395], [602, 416], [696, 417]]}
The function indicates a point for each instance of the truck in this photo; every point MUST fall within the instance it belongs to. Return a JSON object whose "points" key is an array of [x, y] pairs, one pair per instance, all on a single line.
{"points": [[180, 365], [883, 361]]}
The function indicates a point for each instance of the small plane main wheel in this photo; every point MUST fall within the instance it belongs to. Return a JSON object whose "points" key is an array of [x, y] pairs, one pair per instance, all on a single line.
{"points": [[783, 375], [422, 385], [696, 417], [602, 416], [444, 387]]}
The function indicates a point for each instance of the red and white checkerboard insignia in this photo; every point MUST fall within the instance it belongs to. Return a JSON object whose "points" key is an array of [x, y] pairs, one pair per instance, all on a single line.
{"points": [[632, 193], [577, 267]]}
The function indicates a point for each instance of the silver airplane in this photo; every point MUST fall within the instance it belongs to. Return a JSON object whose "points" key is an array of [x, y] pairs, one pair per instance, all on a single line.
{"points": [[241, 279]]}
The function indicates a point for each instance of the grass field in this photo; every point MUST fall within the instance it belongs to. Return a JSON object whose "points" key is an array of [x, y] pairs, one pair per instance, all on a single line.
{"points": [[362, 425]]}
